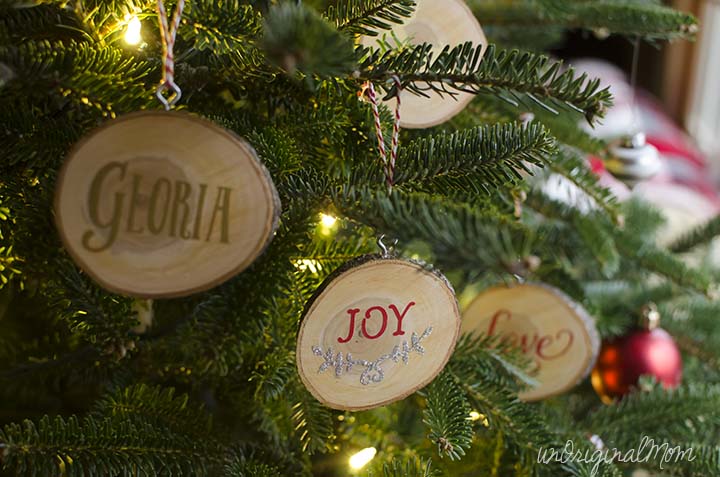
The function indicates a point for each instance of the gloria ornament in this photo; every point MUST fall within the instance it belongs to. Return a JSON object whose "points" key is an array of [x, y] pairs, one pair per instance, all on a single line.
{"points": [[439, 23], [647, 351], [378, 329], [552, 330], [164, 204]]}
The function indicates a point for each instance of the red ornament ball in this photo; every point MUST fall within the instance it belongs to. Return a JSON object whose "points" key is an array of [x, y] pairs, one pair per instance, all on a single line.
{"points": [[644, 352]]}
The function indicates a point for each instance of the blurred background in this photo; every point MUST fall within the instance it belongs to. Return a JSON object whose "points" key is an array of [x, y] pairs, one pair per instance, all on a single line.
{"points": [[677, 103]]}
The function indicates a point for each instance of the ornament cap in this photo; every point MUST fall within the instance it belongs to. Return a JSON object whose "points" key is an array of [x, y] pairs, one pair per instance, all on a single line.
{"points": [[650, 317], [634, 141]]}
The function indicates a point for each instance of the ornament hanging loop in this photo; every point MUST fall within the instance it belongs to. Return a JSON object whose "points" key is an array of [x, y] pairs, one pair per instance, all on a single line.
{"points": [[368, 90], [173, 98], [168, 32], [386, 252], [650, 316]]}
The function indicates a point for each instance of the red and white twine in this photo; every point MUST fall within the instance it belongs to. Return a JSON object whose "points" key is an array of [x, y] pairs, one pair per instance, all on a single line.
{"points": [[388, 165], [167, 34]]}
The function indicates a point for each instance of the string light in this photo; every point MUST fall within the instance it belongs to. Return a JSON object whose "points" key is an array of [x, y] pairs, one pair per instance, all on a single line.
{"points": [[476, 416], [133, 34], [327, 220], [328, 223], [362, 458], [306, 264]]}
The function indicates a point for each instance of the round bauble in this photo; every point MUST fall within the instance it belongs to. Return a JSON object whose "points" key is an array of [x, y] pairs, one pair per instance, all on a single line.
{"points": [[633, 160], [623, 360]]}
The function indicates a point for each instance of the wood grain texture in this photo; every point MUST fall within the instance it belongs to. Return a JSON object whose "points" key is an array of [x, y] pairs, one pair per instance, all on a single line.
{"points": [[440, 23], [164, 204], [555, 332], [371, 293]]}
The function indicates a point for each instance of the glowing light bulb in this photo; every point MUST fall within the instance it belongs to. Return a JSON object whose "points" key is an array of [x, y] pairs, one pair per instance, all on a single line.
{"points": [[476, 416], [132, 32], [327, 220], [361, 458]]}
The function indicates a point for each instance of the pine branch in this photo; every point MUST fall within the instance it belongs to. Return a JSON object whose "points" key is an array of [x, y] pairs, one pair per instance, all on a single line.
{"points": [[251, 469], [704, 460], [25, 21], [495, 155], [511, 74], [273, 372], [77, 448], [36, 135], [490, 359], [698, 236], [228, 27], [566, 127], [652, 258], [297, 39], [575, 169], [104, 319], [312, 422], [255, 460], [592, 229], [693, 322], [101, 78], [366, 17], [648, 20], [673, 415], [451, 229], [157, 406], [446, 417], [411, 467]]}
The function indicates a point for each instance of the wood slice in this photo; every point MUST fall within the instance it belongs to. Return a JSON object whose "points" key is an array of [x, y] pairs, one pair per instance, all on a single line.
{"points": [[164, 204], [376, 331], [440, 23], [554, 331]]}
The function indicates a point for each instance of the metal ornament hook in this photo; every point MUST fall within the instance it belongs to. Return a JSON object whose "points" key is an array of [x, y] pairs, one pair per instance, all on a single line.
{"points": [[386, 252], [650, 316], [173, 98]]}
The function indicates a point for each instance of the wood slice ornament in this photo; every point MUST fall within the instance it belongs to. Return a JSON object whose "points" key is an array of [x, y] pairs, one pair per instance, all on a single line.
{"points": [[440, 23], [377, 330], [551, 329], [164, 204]]}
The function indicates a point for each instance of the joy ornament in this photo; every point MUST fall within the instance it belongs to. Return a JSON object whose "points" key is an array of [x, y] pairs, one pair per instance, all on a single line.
{"points": [[377, 330]]}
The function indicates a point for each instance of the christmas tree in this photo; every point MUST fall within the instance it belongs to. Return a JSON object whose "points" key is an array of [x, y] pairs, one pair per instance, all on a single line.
{"points": [[100, 383]]}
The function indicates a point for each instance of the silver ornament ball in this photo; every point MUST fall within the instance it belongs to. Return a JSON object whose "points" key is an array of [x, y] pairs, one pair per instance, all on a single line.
{"points": [[633, 160]]}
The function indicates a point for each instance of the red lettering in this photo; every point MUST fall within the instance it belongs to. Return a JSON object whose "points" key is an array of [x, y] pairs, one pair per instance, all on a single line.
{"points": [[495, 318], [352, 312], [526, 347], [550, 341], [368, 313], [531, 344], [400, 317]]}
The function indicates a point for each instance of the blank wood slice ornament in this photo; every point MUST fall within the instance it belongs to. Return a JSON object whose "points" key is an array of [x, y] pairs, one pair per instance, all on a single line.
{"points": [[440, 23], [377, 330], [164, 204], [551, 329]]}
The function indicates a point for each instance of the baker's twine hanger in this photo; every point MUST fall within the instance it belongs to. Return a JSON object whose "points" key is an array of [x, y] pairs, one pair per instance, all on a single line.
{"points": [[168, 32], [368, 90]]}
